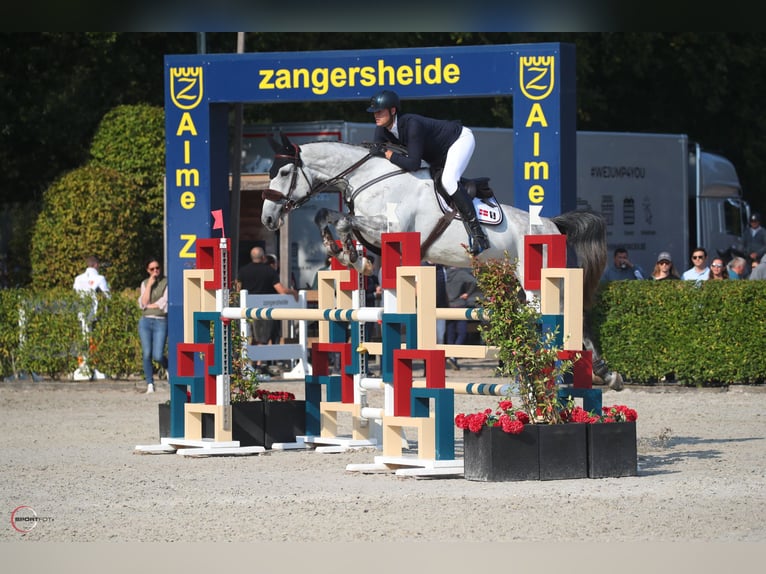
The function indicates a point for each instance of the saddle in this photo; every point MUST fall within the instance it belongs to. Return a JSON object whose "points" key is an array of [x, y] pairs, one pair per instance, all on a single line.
{"points": [[488, 210], [485, 203]]}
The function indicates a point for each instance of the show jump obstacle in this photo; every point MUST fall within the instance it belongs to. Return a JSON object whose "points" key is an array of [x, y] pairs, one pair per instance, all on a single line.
{"points": [[408, 319]]}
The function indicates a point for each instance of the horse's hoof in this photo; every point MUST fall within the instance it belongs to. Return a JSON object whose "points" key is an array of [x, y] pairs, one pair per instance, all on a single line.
{"points": [[615, 382]]}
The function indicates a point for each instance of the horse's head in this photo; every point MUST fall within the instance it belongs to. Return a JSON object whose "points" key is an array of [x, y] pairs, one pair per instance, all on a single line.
{"points": [[289, 186]]}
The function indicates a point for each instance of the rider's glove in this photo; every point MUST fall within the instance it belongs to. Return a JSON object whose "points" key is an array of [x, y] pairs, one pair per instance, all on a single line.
{"points": [[378, 150]]}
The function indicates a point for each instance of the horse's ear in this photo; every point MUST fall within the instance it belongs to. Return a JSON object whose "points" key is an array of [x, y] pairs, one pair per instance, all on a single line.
{"points": [[286, 141], [273, 143]]}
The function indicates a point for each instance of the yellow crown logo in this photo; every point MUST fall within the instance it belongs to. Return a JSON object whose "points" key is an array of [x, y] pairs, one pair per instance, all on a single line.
{"points": [[186, 87], [536, 76]]}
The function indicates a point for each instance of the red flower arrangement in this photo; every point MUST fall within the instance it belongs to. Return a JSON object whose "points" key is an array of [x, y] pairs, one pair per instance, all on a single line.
{"points": [[512, 421], [612, 414], [618, 414], [276, 396]]}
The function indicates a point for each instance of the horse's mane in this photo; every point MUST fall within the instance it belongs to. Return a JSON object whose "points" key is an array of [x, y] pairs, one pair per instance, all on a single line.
{"points": [[359, 147]]}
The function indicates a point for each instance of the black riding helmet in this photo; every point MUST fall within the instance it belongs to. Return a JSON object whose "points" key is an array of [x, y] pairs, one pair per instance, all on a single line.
{"points": [[384, 100]]}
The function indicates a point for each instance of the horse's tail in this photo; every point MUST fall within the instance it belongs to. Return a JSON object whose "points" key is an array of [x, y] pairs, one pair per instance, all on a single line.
{"points": [[586, 234]]}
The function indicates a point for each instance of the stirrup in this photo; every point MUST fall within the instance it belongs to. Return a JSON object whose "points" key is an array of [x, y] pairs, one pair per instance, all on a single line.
{"points": [[477, 243]]}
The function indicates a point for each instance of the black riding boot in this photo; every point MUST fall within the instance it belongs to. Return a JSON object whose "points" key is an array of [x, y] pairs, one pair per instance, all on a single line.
{"points": [[464, 205]]}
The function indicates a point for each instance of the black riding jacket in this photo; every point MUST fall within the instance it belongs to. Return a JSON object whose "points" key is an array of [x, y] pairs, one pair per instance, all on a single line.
{"points": [[425, 139]]}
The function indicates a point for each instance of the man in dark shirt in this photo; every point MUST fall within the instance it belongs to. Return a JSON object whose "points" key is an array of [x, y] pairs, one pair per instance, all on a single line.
{"points": [[260, 278]]}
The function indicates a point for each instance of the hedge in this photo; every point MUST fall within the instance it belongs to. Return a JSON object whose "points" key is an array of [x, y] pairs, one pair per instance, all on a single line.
{"points": [[41, 333], [710, 333]]}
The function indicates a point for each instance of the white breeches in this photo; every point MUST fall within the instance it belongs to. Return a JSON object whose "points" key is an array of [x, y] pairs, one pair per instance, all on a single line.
{"points": [[458, 157]]}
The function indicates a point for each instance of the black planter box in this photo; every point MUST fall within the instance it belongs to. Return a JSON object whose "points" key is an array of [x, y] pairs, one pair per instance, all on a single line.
{"points": [[563, 451], [164, 415], [259, 423], [493, 455], [540, 452], [612, 450]]}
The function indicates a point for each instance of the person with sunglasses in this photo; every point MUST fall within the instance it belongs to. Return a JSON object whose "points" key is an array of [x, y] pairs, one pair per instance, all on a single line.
{"points": [[718, 269], [664, 268], [153, 324], [699, 271]]}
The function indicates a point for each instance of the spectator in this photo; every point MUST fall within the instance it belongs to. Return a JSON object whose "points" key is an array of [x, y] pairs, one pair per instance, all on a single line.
{"points": [[664, 268], [754, 239], [90, 280], [260, 278], [153, 324], [622, 269], [90, 283], [461, 292], [737, 268], [759, 271], [699, 271], [718, 270]]}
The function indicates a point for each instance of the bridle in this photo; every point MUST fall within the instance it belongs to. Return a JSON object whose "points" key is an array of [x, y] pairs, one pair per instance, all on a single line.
{"points": [[294, 158]]}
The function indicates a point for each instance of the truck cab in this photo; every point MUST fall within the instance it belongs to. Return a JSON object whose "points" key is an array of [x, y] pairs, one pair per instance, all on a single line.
{"points": [[719, 214]]}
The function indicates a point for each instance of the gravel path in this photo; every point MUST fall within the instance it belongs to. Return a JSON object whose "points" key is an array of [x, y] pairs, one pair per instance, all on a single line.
{"points": [[68, 453]]}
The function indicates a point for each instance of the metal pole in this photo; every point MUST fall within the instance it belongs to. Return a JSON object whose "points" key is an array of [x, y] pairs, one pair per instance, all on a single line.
{"points": [[236, 168]]}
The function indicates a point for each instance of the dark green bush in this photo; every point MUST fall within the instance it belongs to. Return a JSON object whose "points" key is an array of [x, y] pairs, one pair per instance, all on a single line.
{"points": [[112, 207], [51, 335], [118, 348], [712, 333], [9, 330], [131, 140], [41, 333], [706, 333], [91, 210]]}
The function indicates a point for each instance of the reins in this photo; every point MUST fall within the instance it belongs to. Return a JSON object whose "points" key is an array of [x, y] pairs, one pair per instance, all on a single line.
{"points": [[291, 204]]}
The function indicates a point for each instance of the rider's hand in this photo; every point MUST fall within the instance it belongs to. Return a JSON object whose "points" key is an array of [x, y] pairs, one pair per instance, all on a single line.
{"points": [[378, 150]]}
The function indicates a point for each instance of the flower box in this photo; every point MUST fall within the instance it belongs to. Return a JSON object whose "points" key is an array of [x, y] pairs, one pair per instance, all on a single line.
{"points": [[493, 455], [540, 452], [563, 451], [262, 423], [254, 423], [612, 450], [164, 417]]}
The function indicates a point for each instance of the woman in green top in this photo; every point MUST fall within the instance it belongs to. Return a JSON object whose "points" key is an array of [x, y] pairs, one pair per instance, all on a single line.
{"points": [[153, 325]]}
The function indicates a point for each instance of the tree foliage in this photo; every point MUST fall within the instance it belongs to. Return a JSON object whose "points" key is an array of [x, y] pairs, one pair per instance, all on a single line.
{"points": [[57, 87]]}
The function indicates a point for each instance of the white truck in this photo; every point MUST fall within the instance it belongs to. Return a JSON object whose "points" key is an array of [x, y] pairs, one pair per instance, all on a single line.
{"points": [[657, 192]]}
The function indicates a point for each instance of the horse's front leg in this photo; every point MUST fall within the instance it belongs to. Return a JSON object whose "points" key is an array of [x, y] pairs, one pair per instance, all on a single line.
{"points": [[323, 219], [371, 227]]}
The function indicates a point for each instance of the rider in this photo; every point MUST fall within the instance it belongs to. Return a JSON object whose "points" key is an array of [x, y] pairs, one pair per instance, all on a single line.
{"points": [[441, 143]]}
